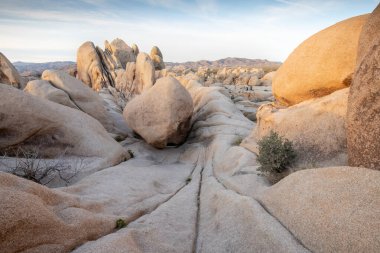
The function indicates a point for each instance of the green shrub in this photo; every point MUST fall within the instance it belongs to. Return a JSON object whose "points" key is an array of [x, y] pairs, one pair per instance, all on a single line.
{"points": [[120, 223], [237, 141], [275, 153]]}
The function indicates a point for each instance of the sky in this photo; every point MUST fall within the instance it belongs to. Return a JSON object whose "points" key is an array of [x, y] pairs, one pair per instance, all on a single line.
{"points": [[184, 30]]}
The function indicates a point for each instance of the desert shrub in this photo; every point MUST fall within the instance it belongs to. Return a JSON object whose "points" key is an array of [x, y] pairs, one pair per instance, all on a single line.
{"points": [[28, 164], [237, 141], [120, 223], [275, 153]]}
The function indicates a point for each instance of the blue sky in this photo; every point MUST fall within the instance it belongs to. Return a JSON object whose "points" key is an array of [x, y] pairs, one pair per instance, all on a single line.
{"points": [[52, 30]]}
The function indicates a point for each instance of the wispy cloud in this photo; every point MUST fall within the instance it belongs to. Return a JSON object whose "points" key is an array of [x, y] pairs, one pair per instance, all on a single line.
{"points": [[184, 30]]}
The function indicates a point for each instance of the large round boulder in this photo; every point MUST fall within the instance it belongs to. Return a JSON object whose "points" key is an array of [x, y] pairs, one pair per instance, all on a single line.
{"points": [[329, 209], [321, 65], [162, 114], [363, 115]]}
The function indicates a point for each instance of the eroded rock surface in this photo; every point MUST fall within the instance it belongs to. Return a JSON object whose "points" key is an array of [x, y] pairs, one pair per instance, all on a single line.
{"points": [[206, 195], [364, 104], [329, 209]]}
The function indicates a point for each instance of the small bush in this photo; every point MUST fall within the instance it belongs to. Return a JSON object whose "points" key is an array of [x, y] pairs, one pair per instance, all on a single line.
{"points": [[120, 223], [238, 141], [131, 153], [30, 165], [275, 153]]}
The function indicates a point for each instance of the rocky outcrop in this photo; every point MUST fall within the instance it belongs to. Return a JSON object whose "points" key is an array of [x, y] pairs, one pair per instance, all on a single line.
{"points": [[329, 209], [316, 127], [8, 73], [157, 58], [321, 65], [89, 67], [364, 104], [135, 49], [162, 114], [144, 73], [121, 69], [54, 129], [34, 218], [120, 51]]}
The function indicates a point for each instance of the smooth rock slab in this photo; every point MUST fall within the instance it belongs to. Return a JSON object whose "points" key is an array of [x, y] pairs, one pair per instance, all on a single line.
{"points": [[329, 209]]}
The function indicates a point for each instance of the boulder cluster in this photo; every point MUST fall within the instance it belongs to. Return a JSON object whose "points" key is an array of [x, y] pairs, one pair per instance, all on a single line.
{"points": [[245, 76], [312, 106], [62, 112], [120, 70], [194, 183]]}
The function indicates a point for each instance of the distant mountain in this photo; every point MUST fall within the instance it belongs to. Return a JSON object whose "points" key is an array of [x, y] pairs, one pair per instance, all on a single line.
{"points": [[36, 69], [228, 62]]}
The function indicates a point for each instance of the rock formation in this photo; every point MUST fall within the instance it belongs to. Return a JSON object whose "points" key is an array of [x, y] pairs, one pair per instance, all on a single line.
{"points": [[321, 65], [120, 69], [317, 128], [144, 73], [89, 67], [8, 73], [206, 195], [157, 58], [364, 104], [52, 128], [83, 97], [162, 114], [34, 218], [329, 209]]}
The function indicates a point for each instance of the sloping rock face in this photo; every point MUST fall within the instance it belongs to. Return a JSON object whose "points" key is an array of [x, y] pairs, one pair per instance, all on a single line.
{"points": [[8, 73], [316, 127], [329, 209], [162, 114], [83, 97], [63, 89], [364, 104], [43, 89], [321, 65], [89, 67], [34, 218], [56, 130]]}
